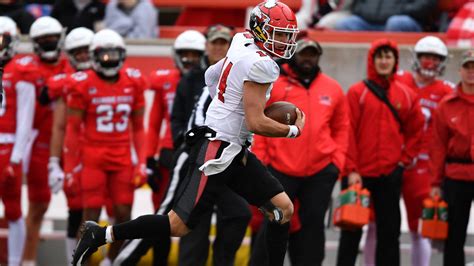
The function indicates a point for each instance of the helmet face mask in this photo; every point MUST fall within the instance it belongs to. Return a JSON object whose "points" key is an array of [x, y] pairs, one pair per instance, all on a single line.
{"points": [[430, 57], [80, 58], [274, 27], [47, 35], [107, 52], [185, 48], [108, 61], [8, 39], [7, 46], [188, 59], [76, 45]]}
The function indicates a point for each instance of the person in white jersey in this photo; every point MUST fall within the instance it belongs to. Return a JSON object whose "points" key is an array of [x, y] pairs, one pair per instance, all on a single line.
{"points": [[241, 84]]}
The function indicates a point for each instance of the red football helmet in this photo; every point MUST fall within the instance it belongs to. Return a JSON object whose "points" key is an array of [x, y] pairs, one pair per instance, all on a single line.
{"points": [[274, 28]]}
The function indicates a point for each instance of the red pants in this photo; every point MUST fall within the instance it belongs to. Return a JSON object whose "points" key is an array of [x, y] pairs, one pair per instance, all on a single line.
{"points": [[98, 184], [37, 178], [415, 188], [10, 188]]}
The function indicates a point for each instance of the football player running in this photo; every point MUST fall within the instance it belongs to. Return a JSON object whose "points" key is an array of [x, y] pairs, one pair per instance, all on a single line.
{"points": [[219, 156], [108, 102]]}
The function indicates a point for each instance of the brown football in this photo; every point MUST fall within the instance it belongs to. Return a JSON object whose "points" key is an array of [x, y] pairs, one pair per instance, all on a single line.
{"points": [[283, 112]]}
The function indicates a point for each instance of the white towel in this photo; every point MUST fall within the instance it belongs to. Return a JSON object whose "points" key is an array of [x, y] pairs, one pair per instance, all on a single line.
{"points": [[216, 166]]}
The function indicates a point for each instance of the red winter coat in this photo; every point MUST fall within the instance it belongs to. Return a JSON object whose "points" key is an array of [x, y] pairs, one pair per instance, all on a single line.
{"points": [[453, 137], [378, 142], [325, 135]]}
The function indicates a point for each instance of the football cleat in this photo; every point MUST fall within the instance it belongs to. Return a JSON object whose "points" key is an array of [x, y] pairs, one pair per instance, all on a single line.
{"points": [[92, 237]]}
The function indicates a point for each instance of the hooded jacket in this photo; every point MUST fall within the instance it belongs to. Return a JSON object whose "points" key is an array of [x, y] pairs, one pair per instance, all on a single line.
{"points": [[325, 135], [377, 142], [453, 138]]}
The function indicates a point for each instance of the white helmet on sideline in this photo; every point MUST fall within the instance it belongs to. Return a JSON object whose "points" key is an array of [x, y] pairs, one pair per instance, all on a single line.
{"points": [[78, 38], [47, 49], [107, 52], [190, 40], [8, 38], [434, 46]]}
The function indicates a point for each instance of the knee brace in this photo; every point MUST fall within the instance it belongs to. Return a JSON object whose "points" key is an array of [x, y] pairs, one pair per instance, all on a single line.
{"points": [[268, 207]]}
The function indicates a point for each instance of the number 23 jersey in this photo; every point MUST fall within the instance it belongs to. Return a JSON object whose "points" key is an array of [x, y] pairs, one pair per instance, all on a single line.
{"points": [[108, 106]]}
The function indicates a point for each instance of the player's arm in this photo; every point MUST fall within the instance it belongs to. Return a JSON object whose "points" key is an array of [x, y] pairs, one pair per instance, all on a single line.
{"points": [[257, 122], [59, 128], [26, 97], [55, 172], [139, 144], [75, 117]]}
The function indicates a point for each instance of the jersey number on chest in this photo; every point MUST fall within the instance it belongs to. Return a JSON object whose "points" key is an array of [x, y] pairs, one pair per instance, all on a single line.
{"points": [[105, 116]]}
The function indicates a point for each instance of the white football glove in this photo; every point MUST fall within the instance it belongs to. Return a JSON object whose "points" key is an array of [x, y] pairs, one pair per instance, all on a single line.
{"points": [[55, 175]]}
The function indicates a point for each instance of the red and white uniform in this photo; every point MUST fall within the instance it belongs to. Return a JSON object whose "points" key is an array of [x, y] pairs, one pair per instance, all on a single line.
{"points": [[106, 153], [16, 120], [416, 183], [37, 175], [163, 82]]}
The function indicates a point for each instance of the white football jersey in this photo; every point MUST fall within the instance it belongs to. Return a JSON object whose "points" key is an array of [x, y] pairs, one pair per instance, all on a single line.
{"points": [[244, 62]]}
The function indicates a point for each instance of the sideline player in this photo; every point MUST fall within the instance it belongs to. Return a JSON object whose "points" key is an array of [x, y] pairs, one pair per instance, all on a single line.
{"points": [[47, 36], [76, 46], [109, 102], [219, 156], [16, 120]]}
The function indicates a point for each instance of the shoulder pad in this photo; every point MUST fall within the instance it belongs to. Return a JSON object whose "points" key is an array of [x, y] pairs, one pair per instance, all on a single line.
{"points": [[79, 76], [449, 84], [133, 72]]}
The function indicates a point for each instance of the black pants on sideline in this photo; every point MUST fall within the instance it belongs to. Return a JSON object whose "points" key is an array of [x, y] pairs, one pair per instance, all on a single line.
{"points": [[306, 247], [459, 195], [233, 216], [385, 196]]}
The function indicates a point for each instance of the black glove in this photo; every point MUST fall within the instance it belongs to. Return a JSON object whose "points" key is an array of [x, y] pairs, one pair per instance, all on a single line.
{"points": [[43, 97], [153, 173]]}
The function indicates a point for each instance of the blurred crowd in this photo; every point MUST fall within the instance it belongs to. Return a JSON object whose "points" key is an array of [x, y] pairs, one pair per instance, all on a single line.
{"points": [[77, 108], [138, 19]]}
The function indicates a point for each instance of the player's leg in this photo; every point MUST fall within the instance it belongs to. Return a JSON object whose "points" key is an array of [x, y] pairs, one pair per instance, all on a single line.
{"points": [[194, 247], [39, 195], [416, 188], [133, 250], [73, 194], [252, 180], [314, 197], [195, 195], [121, 191], [259, 254], [459, 195], [386, 199], [349, 240], [370, 244], [233, 216], [11, 196]]}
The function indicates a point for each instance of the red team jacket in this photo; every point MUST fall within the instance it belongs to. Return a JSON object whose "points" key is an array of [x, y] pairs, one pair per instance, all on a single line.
{"points": [[453, 137], [325, 136], [377, 142], [428, 98], [163, 82]]}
